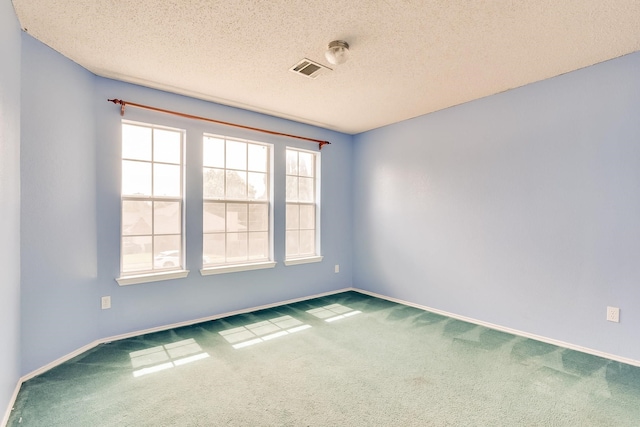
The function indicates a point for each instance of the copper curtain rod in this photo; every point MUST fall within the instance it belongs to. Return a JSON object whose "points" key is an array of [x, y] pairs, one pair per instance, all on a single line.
{"points": [[189, 116]]}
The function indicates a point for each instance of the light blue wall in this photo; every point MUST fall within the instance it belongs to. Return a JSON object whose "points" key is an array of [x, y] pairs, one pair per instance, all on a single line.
{"points": [[59, 245], [9, 204], [71, 212], [521, 209]]}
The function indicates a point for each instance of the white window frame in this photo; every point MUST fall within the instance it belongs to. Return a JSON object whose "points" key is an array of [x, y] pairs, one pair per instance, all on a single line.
{"points": [[155, 274], [244, 265], [316, 256]]}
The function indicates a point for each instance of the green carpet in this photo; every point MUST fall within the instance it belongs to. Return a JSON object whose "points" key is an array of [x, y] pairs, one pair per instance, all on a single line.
{"points": [[342, 360]]}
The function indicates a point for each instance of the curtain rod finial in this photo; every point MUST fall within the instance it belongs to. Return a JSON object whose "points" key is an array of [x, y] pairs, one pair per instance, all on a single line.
{"points": [[118, 101], [322, 144]]}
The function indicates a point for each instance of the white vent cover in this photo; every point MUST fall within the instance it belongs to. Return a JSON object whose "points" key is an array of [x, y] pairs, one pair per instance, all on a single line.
{"points": [[309, 68]]}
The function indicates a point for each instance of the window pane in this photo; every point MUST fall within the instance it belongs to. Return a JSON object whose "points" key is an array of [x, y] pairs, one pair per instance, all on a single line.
{"points": [[136, 218], [236, 155], [167, 217], [306, 190], [136, 142], [213, 150], [292, 243], [257, 186], [236, 185], [301, 221], [213, 183], [307, 217], [231, 219], [257, 158], [167, 252], [236, 217], [258, 217], [258, 246], [292, 162], [236, 247], [293, 217], [136, 178], [292, 189], [213, 218], [136, 254], [213, 249], [166, 180], [151, 206], [305, 164], [307, 242], [166, 146]]}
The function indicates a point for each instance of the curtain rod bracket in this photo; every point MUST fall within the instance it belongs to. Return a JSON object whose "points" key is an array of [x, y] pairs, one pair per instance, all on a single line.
{"points": [[322, 144]]}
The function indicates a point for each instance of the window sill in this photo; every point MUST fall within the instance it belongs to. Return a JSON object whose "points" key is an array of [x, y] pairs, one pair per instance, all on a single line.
{"points": [[152, 277], [307, 260], [235, 268]]}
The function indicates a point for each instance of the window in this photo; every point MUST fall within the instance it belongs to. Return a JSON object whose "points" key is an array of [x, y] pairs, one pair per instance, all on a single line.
{"points": [[152, 200], [236, 204], [302, 189]]}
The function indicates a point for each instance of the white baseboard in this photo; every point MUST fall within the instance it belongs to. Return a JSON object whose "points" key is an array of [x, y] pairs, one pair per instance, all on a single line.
{"points": [[88, 347], [507, 330], [218, 316], [12, 402]]}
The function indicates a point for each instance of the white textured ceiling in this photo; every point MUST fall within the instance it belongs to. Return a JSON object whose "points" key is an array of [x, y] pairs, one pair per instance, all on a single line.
{"points": [[408, 57]]}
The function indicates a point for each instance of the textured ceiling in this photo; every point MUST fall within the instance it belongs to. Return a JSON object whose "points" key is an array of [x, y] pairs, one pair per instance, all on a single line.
{"points": [[408, 57]]}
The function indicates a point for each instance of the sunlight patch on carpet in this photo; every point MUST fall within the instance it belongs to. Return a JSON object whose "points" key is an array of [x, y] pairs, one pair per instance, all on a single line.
{"points": [[254, 333], [159, 358], [331, 313]]}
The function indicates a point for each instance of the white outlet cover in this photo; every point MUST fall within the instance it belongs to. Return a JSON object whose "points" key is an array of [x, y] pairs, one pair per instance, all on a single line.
{"points": [[613, 314], [105, 302]]}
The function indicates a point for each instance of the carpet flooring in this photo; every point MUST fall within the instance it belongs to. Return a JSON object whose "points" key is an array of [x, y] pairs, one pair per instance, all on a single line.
{"points": [[341, 360]]}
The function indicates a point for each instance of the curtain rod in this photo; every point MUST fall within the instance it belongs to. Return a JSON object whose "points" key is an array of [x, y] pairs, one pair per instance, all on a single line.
{"points": [[189, 116]]}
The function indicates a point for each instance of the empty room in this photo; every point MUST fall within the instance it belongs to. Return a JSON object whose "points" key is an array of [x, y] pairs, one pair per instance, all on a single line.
{"points": [[409, 213]]}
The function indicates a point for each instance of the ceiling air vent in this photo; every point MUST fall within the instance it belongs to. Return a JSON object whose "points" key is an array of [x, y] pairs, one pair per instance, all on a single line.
{"points": [[308, 68]]}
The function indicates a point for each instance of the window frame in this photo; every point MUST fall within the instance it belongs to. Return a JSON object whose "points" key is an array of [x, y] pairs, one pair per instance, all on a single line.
{"points": [[246, 264], [154, 274], [317, 255]]}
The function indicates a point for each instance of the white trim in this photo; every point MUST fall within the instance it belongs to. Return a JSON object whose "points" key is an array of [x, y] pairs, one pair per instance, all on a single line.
{"points": [[134, 279], [152, 277], [206, 271], [60, 360], [307, 260], [88, 347], [508, 330], [12, 402], [225, 200], [317, 192]]}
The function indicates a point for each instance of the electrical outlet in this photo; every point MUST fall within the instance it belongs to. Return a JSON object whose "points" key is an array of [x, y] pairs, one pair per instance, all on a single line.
{"points": [[613, 314], [337, 268], [105, 302]]}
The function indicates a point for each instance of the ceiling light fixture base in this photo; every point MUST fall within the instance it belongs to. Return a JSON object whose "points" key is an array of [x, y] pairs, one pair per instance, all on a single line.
{"points": [[337, 52]]}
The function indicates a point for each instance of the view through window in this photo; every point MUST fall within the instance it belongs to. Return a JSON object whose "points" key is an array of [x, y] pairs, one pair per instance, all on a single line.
{"points": [[301, 202], [237, 204], [152, 199], [236, 201]]}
